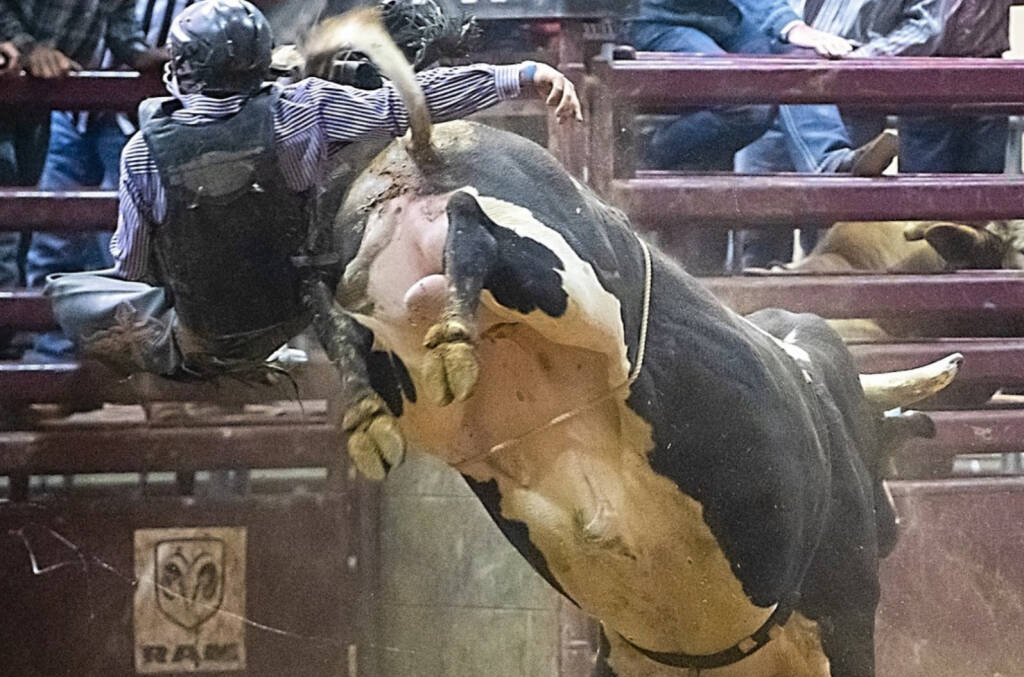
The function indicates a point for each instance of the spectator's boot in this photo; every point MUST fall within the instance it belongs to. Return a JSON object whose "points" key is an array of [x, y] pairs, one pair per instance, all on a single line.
{"points": [[873, 157]]}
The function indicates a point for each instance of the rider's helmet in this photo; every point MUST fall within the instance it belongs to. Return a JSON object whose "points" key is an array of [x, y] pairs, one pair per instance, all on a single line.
{"points": [[220, 47]]}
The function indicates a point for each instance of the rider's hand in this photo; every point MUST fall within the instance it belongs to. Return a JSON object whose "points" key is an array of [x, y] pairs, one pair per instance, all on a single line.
{"points": [[47, 62], [558, 89], [825, 44]]}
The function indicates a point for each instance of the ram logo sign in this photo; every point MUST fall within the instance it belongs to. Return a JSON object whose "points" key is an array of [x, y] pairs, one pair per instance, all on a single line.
{"points": [[190, 600]]}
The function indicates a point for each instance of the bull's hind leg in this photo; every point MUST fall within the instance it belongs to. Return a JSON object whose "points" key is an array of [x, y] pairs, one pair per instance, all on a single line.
{"points": [[375, 441], [451, 367], [532, 276]]}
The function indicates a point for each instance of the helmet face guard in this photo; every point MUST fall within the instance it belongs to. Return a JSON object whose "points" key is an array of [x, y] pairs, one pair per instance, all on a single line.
{"points": [[220, 47]]}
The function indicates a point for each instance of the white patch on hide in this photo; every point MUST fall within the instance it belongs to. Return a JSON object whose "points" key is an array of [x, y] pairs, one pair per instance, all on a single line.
{"points": [[593, 318]]}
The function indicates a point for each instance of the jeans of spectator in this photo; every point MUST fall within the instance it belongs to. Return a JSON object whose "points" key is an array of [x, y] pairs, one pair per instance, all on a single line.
{"points": [[814, 135], [77, 158], [953, 144], [23, 140], [758, 248]]}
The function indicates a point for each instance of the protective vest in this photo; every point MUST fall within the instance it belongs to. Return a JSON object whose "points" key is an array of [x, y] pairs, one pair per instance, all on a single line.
{"points": [[224, 248]]}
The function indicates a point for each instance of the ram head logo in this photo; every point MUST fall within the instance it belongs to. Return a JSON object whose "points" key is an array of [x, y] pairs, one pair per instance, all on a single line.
{"points": [[189, 579]]}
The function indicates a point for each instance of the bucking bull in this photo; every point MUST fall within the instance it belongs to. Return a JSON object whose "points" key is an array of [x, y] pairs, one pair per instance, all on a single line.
{"points": [[705, 484]]}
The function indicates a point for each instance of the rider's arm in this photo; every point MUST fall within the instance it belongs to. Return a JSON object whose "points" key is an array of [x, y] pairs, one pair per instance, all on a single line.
{"points": [[138, 184], [347, 114]]}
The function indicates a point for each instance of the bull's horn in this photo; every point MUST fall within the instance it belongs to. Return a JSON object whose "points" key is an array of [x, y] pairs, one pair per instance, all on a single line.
{"points": [[363, 31], [903, 388]]}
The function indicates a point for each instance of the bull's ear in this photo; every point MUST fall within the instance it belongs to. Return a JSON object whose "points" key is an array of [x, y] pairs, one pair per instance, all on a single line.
{"points": [[964, 246]]}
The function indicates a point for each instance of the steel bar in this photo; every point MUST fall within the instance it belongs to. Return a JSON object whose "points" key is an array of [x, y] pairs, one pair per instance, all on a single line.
{"points": [[981, 294], [665, 198], [523, 10], [971, 432], [142, 448], [666, 78], [85, 90], [57, 211], [89, 383], [25, 309]]}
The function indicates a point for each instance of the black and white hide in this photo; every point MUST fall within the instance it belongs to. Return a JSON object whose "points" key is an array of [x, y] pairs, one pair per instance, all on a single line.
{"points": [[699, 481]]}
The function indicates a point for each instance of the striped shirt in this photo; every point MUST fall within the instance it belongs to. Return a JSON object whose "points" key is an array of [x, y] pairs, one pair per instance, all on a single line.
{"points": [[312, 119], [880, 27]]}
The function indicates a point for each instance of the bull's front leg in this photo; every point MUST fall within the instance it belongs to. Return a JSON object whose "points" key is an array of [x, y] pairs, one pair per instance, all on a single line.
{"points": [[451, 368], [375, 442]]}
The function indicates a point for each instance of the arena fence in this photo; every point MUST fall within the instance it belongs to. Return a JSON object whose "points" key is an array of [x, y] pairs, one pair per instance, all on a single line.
{"points": [[680, 207], [92, 503], [313, 544]]}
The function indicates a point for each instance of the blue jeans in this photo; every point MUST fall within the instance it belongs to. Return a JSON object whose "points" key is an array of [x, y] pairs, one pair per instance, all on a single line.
{"points": [[23, 140], [76, 159], [759, 247], [814, 135], [953, 144]]}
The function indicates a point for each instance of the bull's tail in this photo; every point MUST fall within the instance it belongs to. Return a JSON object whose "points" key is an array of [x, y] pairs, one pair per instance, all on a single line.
{"points": [[362, 30]]}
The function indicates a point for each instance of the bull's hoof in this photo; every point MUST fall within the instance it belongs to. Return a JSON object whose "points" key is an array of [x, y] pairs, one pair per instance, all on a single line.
{"points": [[375, 442], [451, 367]]}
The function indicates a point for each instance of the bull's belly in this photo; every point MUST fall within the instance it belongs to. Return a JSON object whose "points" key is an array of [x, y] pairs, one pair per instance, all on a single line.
{"points": [[622, 541]]}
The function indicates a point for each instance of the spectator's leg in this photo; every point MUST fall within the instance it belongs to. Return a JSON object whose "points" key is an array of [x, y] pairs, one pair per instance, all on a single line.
{"points": [[23, 140], [71, 164], [815, 135], [761, 247], [983, 145], [816, 138], [10, 274], [699, 138], [928, 144]]}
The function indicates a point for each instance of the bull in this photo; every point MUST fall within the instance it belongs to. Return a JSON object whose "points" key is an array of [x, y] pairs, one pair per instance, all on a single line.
{"points": [[704, 484], [917, 247]]}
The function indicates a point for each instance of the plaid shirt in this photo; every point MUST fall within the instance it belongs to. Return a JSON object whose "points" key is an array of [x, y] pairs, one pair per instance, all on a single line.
{"points": [[881, 27], [313, 118], [75, 27], [976, 28]]}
